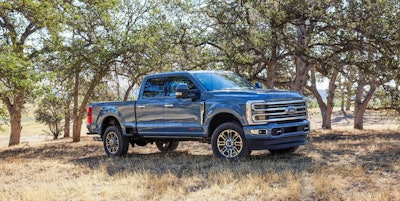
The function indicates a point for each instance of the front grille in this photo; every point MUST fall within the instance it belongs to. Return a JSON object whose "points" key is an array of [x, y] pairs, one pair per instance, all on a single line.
{"points": [[260, 112]]}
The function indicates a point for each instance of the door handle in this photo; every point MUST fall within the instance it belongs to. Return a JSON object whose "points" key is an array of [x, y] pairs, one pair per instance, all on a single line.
{"points": [[168, 105]]}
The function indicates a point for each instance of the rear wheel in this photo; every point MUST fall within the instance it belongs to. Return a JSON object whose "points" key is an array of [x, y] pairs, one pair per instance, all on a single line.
{"points": [[115, 144], [167, 146], [228, 141]]}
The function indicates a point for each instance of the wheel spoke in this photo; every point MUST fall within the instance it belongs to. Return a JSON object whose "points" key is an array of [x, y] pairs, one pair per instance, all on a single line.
{"points": [[229, 133], [237, 137], [238, 144], [224, 150], [236, 150], [223, 136]]}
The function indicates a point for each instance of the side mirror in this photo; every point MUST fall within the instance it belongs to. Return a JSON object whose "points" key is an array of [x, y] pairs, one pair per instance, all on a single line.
{"points": [[182, 91], [258, 85]]}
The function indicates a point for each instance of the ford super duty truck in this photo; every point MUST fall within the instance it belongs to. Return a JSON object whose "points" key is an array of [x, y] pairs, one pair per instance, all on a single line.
{"points": [[216, 107]]}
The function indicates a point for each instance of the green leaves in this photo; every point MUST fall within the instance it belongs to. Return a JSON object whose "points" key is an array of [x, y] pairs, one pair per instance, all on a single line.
{"points": [[17, 73]]}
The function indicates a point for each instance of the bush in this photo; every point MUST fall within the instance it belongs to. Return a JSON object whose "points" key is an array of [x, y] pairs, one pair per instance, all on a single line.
{"points": [[51, 114]]}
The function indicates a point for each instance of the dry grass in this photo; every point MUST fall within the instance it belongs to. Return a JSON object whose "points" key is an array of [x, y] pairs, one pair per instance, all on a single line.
{"points": [[342, 164]]}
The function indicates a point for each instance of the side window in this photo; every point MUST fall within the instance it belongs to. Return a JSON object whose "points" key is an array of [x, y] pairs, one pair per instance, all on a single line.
{"points": [[155, 87], [175, 81]]}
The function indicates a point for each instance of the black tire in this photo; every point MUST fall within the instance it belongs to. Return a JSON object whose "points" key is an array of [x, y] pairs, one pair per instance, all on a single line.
{"points": [[115, 144], [167, 146], [283, 151], [228, 141]]}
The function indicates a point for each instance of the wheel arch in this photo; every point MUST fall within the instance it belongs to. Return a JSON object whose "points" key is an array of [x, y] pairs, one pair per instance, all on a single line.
{"points": [[219, 119], [110, 121], [221, 112]]}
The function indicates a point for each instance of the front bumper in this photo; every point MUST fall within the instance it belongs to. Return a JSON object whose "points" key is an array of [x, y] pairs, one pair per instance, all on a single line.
{"points": [[277, 135]]}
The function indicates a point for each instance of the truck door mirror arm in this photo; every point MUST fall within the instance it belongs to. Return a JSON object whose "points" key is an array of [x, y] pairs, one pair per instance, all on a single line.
{"points": [[258, 85]]}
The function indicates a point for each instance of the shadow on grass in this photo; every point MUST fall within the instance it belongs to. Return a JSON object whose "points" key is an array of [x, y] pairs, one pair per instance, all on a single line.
{"points": [[182, 163], [55, 150], [365, 136]]}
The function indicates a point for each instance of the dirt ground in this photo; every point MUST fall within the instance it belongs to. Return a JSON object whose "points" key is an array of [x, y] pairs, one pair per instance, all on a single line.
{"points": [[32, 133], [373, 119]]}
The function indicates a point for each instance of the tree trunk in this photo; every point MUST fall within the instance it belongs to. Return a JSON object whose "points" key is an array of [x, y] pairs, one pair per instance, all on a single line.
{"points": [[273, 61], [327, 121], [301, 78], [302, 65], [76, 128], [271, 73], [348, 103], [130, 87], [361, 105], [15, 112], [326, 109], [359, 117], [16, 127], [327, 118], [348, 98], [342, 101], [67, 118]]}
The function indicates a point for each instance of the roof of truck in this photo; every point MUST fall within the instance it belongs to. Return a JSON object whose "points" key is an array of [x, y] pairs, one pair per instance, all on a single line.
{"points": [[186, 72]]}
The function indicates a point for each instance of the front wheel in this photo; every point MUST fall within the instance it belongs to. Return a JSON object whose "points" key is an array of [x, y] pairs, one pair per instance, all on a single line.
{"points": [[167, 146], [115, 144], [228, 141]]}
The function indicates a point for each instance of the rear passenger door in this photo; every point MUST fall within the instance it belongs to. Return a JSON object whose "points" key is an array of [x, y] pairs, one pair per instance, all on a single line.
{"points": [[150, 106]]}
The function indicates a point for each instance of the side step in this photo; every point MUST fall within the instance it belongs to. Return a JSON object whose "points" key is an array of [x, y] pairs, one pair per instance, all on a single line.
{"points": [[97, 139]]}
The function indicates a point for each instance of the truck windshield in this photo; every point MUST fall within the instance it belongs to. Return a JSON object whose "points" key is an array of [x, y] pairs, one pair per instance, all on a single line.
{"points": [[223, 81]]}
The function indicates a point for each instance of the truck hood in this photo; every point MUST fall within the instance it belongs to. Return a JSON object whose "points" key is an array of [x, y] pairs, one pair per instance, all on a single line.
{"points": [[265, 94]]}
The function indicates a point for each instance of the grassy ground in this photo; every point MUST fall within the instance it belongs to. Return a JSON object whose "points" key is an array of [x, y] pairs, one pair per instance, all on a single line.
{"points": [[342, 164]]}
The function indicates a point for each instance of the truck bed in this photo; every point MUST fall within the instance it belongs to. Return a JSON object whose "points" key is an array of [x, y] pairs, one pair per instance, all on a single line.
{"points": [[122, 111]]}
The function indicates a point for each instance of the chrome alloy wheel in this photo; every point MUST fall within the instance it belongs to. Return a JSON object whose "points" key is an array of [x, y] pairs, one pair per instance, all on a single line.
{"points": [[112, 142], [229, 143]]}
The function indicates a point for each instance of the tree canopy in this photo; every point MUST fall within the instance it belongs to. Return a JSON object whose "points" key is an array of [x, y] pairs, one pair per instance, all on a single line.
{"points": [[80, 48]]}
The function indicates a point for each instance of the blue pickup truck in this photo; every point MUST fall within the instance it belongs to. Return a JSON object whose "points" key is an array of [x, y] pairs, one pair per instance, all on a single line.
{"points": [[216, 107]]}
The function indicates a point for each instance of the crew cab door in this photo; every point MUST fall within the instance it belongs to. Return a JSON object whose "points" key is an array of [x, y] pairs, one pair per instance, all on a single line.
{"points": [[183, 117], [150, 107]]}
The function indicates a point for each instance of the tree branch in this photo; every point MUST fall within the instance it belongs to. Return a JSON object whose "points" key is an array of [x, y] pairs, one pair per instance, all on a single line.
{"points": [[30, 29], [7, 24]]}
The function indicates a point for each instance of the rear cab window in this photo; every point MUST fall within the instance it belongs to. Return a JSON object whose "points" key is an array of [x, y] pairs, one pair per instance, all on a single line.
{"points": [[155, 87]]}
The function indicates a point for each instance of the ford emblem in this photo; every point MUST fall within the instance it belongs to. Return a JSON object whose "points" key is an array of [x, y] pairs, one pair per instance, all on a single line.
{"points": [[290, 110]]}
